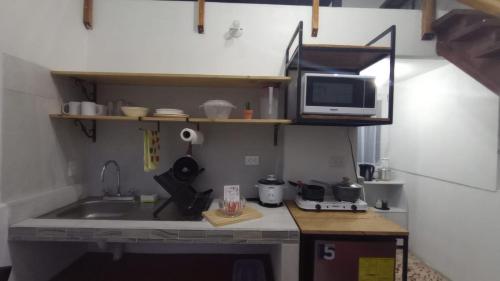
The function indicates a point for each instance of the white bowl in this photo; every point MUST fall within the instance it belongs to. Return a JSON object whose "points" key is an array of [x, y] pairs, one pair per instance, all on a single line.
{"points": [[169, 111], [135, 111], [217, 109]]}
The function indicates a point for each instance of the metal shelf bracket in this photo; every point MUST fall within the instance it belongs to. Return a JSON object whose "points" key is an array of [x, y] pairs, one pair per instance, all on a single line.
{"points": [[89, 89], [276, 131], [88, 132]]}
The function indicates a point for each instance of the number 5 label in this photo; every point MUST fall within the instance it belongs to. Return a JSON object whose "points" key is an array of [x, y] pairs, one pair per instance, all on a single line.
{"points": [[328, 252]]}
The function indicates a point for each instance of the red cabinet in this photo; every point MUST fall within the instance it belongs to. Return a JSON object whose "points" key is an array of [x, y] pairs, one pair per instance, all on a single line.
{"points": [[337, 260]]}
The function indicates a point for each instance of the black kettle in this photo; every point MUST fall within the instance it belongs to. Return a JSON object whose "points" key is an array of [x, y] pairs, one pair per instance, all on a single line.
{"points": [[366, 171]]}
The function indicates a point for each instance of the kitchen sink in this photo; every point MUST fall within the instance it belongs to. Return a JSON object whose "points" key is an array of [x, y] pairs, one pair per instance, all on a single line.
{"points": [[98, 210], [94, 208]]}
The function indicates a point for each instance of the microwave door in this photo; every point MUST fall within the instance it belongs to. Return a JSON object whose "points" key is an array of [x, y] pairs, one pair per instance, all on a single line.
{"points": [[325, 95]]}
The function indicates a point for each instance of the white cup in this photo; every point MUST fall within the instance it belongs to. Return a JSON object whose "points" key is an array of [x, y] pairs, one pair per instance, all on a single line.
{"points": [[100, 109], [88, 108], [73, 108]]}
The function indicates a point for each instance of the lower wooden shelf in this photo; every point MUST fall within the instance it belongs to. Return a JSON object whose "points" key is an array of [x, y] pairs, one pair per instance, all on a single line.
{"points": [[343, 117], [340, 120], [391, 210], [391, 182], [241, 121], [94, 117], [173, 119]]}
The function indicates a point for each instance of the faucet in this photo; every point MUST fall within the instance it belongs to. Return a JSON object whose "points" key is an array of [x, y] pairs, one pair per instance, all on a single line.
{"points": [[104, 167]]}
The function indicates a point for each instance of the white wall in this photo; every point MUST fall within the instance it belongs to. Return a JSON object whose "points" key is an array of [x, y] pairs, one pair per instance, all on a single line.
{"points": [[35, 36], [455, 119], [444, 145], [159, 36]]}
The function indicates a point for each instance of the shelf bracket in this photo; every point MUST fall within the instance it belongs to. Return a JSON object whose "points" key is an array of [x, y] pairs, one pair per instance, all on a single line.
{"points": [[428, 17], [87, 14], [88, 132], [201, 16], [275, 137], [315, 18], [89, 89]]}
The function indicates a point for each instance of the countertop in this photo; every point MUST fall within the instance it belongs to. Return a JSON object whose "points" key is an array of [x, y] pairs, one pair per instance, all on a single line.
{"points": [[275, 227], [344, 223]]}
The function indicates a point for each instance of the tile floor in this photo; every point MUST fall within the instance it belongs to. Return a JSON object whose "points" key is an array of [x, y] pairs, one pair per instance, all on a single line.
{"points": [[417, 270]]}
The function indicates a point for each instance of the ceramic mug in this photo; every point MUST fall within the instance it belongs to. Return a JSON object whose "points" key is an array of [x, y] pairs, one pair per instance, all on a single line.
{"points": [[73, 108], [100, 109], [88, 108]]}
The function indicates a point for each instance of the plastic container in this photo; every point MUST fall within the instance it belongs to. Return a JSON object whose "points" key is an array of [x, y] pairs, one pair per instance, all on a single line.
{"points": [[269, 105], [217, 109]]}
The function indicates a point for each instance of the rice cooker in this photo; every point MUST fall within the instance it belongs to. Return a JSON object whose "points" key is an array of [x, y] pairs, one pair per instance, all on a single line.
{"points": [[271, 191]]}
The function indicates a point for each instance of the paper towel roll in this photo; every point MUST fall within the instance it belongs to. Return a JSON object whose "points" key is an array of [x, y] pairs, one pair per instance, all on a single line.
{"points": [[190, 135]]}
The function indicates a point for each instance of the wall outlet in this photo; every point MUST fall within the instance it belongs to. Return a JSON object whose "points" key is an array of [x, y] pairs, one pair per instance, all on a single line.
{"points": [[336, 161], [252, 160]]}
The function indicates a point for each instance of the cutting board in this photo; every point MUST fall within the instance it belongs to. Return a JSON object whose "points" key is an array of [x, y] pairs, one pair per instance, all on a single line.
{"points": [[216, 218]]}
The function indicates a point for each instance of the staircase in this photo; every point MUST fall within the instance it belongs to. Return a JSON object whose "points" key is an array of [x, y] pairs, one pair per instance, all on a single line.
{"points": [[470, 39]]}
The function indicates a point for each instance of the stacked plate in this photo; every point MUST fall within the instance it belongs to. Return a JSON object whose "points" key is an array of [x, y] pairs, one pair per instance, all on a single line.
{"points": [[170, 112]]}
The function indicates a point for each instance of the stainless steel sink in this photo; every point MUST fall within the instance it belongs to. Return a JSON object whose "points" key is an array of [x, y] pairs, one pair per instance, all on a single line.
{"points": [[96, 208]]}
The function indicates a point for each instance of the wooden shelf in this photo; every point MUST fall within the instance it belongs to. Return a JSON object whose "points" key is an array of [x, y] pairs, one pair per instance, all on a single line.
{"points": [[164, 119], [94, 117], [341, 120], [344, 223], [343, 117], [392, 183], [180, 80], [241, 121], [391, 210], [174, 119], [340, 57]]}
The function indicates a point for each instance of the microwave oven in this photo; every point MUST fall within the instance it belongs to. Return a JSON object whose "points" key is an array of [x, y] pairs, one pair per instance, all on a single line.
{"points": [[338, 94]]}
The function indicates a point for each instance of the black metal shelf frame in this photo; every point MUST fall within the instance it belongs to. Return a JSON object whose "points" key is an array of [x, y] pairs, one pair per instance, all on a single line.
{"points": [[297, 63], [91, 95]]}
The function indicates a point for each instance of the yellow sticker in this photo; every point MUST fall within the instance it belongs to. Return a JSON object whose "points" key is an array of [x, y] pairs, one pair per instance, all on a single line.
{"points": [[376, 269]]}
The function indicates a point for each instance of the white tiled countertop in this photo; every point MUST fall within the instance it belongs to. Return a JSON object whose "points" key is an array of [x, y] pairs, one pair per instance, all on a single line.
{"points": [[276, 226]]}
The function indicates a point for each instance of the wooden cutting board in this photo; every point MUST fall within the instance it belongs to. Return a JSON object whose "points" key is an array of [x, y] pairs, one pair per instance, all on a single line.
{"points": [[216, 218]]}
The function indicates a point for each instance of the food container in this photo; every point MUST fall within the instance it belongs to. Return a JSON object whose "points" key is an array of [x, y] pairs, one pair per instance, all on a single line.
{"points": [[134, 111], [269, 105], [217, 109], [231, 208], [271, 190], [347, 191], [384, 174]]}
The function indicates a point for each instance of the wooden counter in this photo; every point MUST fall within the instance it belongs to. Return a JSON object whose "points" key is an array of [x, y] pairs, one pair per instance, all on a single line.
{"points": [[344, 223]]}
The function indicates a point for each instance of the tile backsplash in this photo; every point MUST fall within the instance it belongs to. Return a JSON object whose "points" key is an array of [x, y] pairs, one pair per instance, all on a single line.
{"points": [[35, 149]]}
